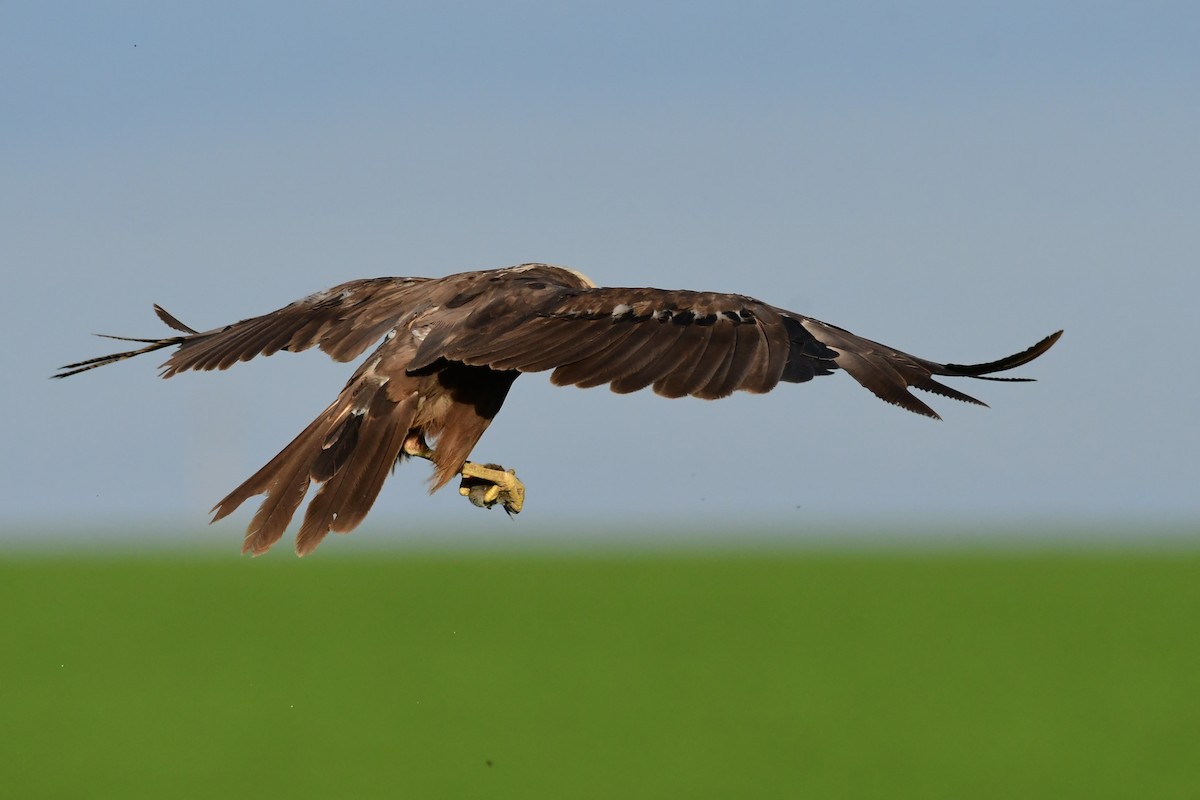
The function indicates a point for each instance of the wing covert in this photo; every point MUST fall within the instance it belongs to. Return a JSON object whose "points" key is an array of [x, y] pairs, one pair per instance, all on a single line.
{"points": [[703, 344]]}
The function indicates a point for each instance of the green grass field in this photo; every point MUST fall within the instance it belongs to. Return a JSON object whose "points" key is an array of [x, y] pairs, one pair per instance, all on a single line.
{"points": [[789, 674]]}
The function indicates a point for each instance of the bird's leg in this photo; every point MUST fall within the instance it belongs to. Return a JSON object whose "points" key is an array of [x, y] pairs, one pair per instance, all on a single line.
{"points": [[488, 484], [414, 445], [482, 484]]}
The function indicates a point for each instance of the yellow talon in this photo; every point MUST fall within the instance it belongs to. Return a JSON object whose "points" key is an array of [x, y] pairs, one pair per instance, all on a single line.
{"points": [[488, 484]]}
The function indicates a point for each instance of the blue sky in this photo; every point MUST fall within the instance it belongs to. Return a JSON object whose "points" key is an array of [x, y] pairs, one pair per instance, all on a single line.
{"points": [[956, 180]]}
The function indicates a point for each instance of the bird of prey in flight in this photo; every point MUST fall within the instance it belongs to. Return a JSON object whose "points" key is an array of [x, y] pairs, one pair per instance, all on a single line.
{"points": [[451, 348]]}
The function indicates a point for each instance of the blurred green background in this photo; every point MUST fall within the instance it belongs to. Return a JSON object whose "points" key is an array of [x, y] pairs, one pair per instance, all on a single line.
{"points": [[776, 672]]}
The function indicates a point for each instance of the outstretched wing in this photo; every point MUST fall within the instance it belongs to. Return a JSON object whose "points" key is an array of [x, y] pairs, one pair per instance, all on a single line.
{"points": [[537, 317], [680, 342], [343, 322], [348, 451], [702, 344]]}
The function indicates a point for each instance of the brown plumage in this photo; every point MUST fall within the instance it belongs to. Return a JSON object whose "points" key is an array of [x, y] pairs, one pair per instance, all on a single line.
{"points": [[453, 346]]}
